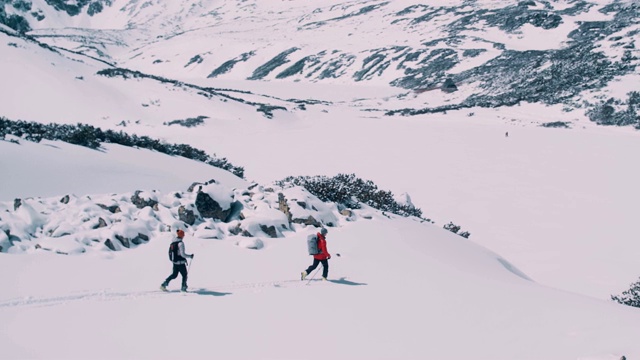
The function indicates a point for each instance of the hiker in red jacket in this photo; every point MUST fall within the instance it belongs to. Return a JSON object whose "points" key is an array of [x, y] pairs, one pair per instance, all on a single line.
{"points": [[323, 257]]}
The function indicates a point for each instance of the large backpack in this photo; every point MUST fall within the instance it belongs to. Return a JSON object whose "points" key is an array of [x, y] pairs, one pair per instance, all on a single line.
{"points": [[312, 244], [174, 252]]}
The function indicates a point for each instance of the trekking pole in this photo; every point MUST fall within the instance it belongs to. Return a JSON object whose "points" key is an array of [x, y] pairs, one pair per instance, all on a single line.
{"points": [[314, 275], [189, 267]]}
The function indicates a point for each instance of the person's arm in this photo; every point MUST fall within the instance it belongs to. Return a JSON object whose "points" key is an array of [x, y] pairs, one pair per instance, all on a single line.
{"points": [[181, 251]]}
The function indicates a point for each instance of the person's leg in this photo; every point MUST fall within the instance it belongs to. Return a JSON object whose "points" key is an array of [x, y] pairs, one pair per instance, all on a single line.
{"points": [[313, 266], [183, 271], [173, 275], [325, 268]]}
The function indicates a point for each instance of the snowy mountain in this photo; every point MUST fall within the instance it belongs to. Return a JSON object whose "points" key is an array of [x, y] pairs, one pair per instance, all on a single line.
{"points": [[580, 56]]}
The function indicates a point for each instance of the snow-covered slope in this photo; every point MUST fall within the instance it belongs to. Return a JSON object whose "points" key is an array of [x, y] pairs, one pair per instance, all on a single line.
{"points": [[399, 289]]}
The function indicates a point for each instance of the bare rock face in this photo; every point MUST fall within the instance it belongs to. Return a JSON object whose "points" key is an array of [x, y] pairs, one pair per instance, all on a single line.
{"points": [[283, 206], [140, 202], [209, 208], [186, 215]]}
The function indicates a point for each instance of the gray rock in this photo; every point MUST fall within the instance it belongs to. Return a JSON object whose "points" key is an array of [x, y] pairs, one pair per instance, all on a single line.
{"points": [[308, 221], [269, 230], [140, 202], [209, 208], [123, 240], [110, 245], [65, 199], [16, 204], [186, 215], [139, 239], [283, 206]]}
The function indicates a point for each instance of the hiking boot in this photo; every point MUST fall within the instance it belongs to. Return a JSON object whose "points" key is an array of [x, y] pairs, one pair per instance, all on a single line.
{"points": [[184, 289], [324, 278], [163, 287], [303, 275]]}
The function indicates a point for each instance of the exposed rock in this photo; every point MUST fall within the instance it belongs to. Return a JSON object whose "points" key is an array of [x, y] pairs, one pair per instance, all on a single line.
{"points": [[209, 208], [269, 230], [246, 233], [110, 245], [156, 207], [269, 190], [140, 202], [112, 209], [346, 212], [192, 187], [65, 199], [235, 230], [101, 223], [252, 186], [123, 240], [308, 221], [139, 239], [283, 206], [186, 215], [302, 204], [16, 204]]}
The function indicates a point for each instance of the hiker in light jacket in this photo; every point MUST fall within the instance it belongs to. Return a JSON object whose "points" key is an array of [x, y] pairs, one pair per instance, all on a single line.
{"points": [[179, 259], [323, 257]]}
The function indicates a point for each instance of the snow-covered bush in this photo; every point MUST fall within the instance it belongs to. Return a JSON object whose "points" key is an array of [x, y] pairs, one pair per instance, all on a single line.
{"points": [[629, 297], [350, 191], [455, 228]]}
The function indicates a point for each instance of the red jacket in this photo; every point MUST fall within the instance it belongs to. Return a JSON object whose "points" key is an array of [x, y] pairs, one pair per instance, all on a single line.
{"points": [[322, 246]]}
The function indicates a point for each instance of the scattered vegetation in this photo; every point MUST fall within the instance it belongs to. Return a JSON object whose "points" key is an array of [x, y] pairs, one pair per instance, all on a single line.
{"points": [[350, 191], [92, 137], [455, 228], [188, 122], [630, 297]]}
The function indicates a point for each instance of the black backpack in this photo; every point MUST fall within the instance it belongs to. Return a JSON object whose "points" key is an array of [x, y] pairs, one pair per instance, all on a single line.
{"points": [[174, 252]]}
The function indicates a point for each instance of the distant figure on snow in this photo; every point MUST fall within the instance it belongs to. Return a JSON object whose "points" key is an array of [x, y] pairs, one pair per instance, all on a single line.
{"points": [[179, 259], [322, 257], [506, 134]]}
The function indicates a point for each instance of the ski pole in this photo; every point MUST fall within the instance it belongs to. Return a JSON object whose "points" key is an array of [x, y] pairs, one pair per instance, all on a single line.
{"points": [[189, 267], [314, 275]]}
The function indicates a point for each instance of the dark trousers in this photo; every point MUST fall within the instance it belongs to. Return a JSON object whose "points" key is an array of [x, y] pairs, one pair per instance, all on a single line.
{"points": [[178, 268], [325, 267]]}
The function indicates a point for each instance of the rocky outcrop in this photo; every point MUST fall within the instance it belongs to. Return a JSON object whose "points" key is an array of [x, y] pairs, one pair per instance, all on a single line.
{"points": [[308, 221], [283, 206], [209, 208]]}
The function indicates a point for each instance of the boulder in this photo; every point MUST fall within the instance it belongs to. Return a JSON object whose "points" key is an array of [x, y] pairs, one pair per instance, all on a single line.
{"points": [[209, 208], [139, 239], [65, 199], [269, 230], [123, 240], [186, 215], [308, 221], [110, 245], [140, 203], [16, 204]]}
